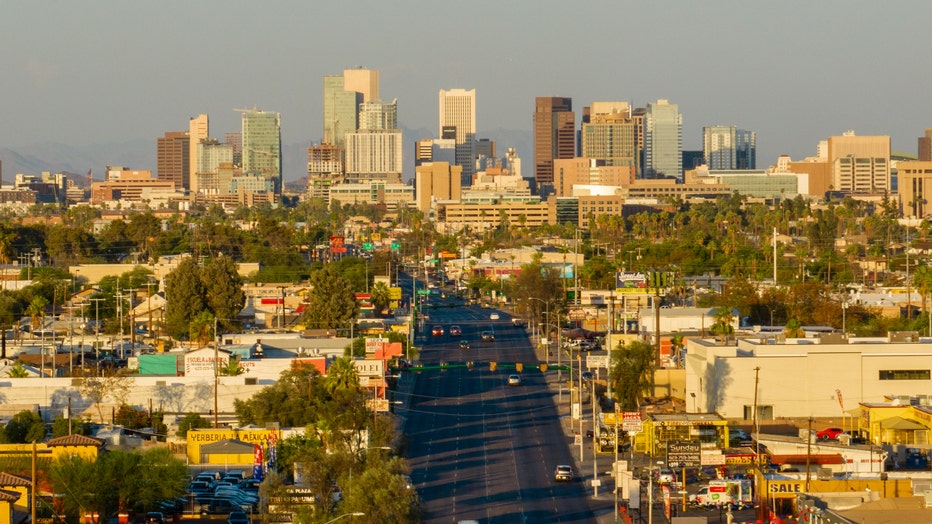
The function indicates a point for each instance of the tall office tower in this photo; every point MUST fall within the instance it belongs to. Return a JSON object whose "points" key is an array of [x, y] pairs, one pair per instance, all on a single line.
{"points": [[718, 147], [663, 140], [639, 117], [375, 150], [745, 149], [342, 97], [340, 110], [458, 111], [235, 140], [198, 129], [378, 115], [262, 145], [173, 158], [554, 137], [860, 164], [362, 81], [436, 181], [324, 169], [211, 153], [925, 146], [608, 134]]}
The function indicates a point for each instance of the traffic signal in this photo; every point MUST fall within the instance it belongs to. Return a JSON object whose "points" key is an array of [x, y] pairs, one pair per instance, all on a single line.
{"points": [[519, 367], [543, 367], [492, 366]]}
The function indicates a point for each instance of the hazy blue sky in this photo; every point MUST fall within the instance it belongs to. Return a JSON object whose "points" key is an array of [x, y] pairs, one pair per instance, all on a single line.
{"points": [[796, 72]]}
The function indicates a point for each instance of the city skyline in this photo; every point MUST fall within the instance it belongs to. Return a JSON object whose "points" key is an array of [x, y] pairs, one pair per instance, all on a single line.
{"points": [[789, 70]]}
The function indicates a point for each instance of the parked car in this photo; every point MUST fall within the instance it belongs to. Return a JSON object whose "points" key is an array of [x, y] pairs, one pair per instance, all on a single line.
{"points": [[456, 331], [563, 473], [666, 476], [155, 517], [829, 433], [514, 380], [238, 517]]}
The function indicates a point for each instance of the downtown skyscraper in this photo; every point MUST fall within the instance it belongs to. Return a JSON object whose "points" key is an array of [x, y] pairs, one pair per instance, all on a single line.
{"points": [[663, 141], [262, 145], [458, 121], [342, 97], [727, 147], [554, 137]]}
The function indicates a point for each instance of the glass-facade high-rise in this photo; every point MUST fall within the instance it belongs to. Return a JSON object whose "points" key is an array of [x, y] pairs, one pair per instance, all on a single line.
{"points": [[262, 145], [554, 137], [718, 147], [340, 110], [663, 140]]}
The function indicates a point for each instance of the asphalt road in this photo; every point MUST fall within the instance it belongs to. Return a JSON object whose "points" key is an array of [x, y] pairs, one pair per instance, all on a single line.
{"points": [[479, 448]]}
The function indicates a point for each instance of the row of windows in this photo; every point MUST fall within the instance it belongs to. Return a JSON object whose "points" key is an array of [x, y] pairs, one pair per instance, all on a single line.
{"points": [[904, 374]]}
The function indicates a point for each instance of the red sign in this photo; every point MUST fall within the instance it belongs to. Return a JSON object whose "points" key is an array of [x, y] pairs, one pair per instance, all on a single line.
{"points": [[337, 244]]}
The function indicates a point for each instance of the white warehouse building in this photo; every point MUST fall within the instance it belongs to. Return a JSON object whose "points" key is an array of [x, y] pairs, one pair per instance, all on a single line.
{"points": [[823, 377]]}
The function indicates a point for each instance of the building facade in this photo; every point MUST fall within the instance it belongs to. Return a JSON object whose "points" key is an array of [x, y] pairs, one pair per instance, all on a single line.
{"points": [[262, 145], [198, 129], [554, 137], [609, 134], [435, 181], [172, 160], [915, 188], [458, 111], [663, 140], [860, 164]]}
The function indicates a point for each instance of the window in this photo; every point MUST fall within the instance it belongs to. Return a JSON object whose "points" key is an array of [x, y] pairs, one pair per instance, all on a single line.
{"points": [[904, 374]]}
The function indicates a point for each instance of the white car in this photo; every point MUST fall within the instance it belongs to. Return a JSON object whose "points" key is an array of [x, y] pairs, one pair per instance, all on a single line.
{"points": [[494, 316], [514, 380]]}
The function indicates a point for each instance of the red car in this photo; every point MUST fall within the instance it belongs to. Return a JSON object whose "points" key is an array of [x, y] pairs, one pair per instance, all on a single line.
{"points": [[829, 434]]}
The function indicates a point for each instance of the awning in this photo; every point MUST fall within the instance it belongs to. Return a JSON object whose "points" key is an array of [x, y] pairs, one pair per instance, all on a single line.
{"points": [[900, 424]]}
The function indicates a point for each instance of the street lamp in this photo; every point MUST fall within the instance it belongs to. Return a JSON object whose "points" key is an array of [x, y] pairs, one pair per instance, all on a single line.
{"points": [[354, 514], [650, 491]]}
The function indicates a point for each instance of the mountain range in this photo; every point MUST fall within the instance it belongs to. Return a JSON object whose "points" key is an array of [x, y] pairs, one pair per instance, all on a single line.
{"points": [[141, 154]]}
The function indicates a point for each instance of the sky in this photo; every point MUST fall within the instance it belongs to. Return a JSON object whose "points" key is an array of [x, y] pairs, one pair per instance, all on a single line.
{"points": [[794, 71]]}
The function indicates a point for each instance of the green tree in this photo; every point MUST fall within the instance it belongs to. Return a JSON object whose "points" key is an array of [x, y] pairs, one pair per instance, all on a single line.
{"points": [[232, 368], [76, 426], [331, 301], [185, 293], [24, 427], [380, 297], [630, 373], [17, 371], [191, 421], [722, 327], [223, 290]]}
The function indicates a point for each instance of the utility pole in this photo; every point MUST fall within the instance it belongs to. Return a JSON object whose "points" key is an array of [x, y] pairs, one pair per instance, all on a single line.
{"points": [[216, 376], [97, 302]]}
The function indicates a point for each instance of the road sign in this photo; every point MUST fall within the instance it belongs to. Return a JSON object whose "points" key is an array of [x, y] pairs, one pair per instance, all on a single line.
{"points": [[422, 292], [684, 454], [597, 361], [577, 315]]}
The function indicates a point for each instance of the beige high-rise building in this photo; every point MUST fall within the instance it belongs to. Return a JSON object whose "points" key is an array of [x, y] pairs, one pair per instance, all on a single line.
{"points": [[569, 172], [458, 112], [915, 188], [436, 181], [172, 158], [198, 129], [860, 164], [364, 81]]}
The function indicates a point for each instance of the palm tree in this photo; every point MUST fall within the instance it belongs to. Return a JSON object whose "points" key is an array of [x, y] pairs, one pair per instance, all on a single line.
{"points": [[380, 296], [722, 327]]}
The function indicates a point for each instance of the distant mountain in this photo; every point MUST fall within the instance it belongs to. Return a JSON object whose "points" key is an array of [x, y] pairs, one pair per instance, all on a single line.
{"points": [[141, 154]]}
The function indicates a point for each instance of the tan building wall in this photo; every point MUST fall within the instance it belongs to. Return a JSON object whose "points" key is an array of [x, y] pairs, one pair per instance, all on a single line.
{"points": [[481, 217], [436, 181], [915, 188], [568, 172], [365, 81], [198, 129], [820, 175], [860, 164], [592, 207]]}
